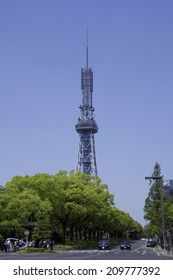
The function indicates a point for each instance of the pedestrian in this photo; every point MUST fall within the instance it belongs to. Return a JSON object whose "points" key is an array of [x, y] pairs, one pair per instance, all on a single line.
{"points": [[5, 246], [8, 246], [16, 246]]}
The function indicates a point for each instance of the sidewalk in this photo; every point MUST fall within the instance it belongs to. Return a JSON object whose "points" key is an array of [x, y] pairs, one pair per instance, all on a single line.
{"points": [[163, 252]]}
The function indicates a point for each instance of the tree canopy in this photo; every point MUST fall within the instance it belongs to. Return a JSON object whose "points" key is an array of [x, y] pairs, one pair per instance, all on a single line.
{"points": [[76, 206]]}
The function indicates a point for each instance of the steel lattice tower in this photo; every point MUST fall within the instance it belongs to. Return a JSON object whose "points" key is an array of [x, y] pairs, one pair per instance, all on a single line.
{"points": [[86, 126]]}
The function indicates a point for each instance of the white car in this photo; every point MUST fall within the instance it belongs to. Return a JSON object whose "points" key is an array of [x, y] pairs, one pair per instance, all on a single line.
{"points": [[14, 244]]}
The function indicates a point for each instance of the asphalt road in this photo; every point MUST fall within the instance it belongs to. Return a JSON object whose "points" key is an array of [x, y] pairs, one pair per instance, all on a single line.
{"points": [[139, 251]]}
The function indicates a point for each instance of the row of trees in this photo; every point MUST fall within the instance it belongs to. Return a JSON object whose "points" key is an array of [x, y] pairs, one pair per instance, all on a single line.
{"points": [[153, 210], [76, 205]]}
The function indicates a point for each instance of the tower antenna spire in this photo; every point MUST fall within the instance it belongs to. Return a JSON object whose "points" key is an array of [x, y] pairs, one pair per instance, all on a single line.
{"points": [[87, 49]]}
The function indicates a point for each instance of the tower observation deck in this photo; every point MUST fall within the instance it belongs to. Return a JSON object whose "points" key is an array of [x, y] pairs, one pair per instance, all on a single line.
{"points": [[86, 126]]}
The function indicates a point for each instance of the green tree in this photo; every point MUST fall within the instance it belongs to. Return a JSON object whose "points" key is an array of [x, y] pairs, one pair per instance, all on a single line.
{"points": [[81, 205], [77, 205], [152, 207], [19, 205], [43, 228]]}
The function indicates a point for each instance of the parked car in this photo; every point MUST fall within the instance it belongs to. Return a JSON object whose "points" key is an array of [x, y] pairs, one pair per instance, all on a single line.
{"points": [[143, 239], [14, 244], [44, 243], [125, 245], [151, 243], [104, 244]]}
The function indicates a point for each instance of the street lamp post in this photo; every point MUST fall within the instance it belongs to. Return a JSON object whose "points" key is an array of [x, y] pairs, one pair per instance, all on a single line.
{"points": [[160, 178]]}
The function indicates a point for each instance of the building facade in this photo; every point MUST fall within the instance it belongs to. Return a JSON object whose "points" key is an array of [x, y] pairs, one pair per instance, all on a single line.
{"points": [[168, 187]]}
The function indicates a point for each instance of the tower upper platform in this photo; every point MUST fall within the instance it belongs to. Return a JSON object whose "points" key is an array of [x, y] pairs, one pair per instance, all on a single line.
{"points": [[86, 125]]}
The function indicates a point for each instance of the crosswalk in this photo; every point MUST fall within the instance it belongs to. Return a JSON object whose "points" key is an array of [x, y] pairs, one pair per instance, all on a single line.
{"points": [[115, 251], [87, 251]]}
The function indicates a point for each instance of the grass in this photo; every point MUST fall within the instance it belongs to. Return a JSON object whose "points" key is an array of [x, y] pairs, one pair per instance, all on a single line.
{"points": [[79, 245], [32, 250]]}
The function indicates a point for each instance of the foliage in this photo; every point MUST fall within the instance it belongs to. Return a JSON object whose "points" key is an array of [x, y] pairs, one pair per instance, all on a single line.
{"points": [[76, 206], [152, 207]]}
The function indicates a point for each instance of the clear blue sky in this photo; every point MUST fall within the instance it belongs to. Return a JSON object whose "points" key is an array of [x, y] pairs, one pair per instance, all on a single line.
{"points": [[42, 50]]}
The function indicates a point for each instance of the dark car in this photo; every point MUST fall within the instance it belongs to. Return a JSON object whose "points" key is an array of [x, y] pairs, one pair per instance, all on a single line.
{"points": [[104, 244], [125, 245], [151, 243]]}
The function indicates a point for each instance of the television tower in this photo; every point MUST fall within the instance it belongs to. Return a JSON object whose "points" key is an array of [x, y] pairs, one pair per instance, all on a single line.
{"points": [[86, 126]]}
